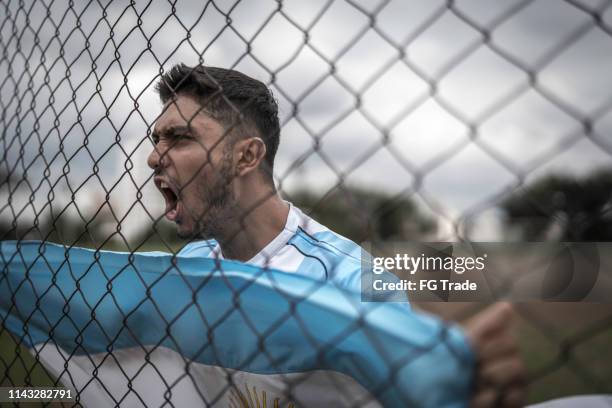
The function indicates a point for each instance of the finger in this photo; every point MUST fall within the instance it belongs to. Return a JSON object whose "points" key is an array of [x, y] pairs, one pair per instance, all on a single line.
{"points": [[484, 398], [515, 397], [494, 318], [502, 372], [495, 397], [503, 345]]}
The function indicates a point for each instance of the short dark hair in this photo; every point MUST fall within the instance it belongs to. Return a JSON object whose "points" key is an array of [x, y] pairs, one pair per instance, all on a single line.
{"points": [[231, 97]]}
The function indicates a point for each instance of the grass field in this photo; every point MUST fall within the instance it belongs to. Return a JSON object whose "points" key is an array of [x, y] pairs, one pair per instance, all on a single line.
{"points": [[543, 329]]}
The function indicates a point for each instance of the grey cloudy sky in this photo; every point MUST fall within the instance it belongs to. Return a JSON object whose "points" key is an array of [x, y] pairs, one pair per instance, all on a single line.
{"points": [[81, 86]]}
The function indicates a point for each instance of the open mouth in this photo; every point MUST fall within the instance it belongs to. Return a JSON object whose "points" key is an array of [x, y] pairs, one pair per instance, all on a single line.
{"points": [[172, 201]]}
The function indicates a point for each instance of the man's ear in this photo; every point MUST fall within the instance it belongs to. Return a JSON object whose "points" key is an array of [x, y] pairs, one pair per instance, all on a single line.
{"points": [[249, 153]]}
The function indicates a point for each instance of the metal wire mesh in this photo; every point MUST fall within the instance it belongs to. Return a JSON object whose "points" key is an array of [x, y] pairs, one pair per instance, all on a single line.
{"points": [[400, 120]]}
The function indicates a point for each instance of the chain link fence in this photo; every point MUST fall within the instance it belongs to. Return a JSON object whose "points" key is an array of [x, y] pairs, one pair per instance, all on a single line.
{"points": [[421, 120]]}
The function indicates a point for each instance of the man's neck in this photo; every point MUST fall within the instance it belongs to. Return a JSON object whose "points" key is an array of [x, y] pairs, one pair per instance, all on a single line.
{"points": [[255, 228]]}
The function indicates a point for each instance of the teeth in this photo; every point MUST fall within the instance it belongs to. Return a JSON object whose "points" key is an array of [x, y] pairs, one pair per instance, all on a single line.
{"points": [[164, 185]]}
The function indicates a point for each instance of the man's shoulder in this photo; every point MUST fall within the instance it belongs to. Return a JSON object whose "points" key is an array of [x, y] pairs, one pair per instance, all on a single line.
{"points": [[329, 243], [321, 248], [198, 248], [318, 240]]}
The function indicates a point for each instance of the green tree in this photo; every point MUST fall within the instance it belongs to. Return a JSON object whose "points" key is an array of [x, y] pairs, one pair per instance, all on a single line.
{"points": [[564, 208], [7, 230], [363, 215]]}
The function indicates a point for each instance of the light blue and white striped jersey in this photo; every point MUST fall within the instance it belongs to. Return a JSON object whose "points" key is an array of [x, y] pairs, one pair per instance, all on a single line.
{"points": [[154, 329], [304, 247], [151, 329]]}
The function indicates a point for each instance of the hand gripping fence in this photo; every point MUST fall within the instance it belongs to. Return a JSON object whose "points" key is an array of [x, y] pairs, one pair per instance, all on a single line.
{"points": [[399, 121]]}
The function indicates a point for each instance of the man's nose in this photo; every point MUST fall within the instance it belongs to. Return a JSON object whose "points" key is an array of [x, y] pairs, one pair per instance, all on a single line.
{"points": [[157, 159]]}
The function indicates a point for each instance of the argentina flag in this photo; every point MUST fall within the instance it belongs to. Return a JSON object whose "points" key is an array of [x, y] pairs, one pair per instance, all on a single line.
{"points": [[154, 329]]}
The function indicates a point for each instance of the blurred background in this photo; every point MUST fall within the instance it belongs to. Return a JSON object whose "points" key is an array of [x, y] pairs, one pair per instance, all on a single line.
{"points": [[401, 120]]}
